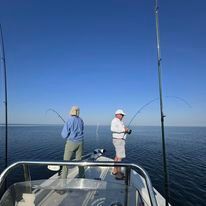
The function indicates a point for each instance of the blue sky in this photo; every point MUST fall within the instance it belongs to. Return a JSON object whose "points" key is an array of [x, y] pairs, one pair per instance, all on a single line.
{"points": [[101, 55]]}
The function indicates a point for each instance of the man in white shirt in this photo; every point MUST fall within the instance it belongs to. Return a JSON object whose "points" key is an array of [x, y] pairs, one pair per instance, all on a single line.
{"points": [[119, 132]]}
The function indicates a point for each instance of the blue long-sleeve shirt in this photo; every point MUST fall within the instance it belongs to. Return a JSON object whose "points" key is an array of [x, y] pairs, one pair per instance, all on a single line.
{"points": [[73, 129]]}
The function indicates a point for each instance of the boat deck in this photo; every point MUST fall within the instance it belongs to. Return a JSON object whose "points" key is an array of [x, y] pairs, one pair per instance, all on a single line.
{"points": [[99, 187]]}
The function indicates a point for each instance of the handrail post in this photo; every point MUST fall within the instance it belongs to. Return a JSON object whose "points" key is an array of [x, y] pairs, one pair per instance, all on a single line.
{"points": [[127, 174], [27, 178], [127, 183]]}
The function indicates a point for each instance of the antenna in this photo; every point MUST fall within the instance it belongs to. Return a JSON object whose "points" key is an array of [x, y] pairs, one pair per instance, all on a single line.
{"points": [[5, 93], [161, 105]]}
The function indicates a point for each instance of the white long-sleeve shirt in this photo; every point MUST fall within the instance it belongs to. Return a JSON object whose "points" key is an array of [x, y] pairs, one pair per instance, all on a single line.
{"points": [[118, 129]]}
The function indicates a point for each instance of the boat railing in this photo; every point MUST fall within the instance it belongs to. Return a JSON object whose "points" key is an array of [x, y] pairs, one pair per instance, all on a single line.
{"points": [[128, 167]]}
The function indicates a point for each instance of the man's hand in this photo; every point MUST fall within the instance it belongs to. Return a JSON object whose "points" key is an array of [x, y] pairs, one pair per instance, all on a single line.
{"points": [[126, 129]]}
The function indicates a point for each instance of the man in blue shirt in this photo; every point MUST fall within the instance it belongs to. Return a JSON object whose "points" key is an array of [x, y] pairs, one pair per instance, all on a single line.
{"points": [[73, 132]]}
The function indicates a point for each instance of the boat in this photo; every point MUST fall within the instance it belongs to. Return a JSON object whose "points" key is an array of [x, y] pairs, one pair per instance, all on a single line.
{"points": [[98, 187]]}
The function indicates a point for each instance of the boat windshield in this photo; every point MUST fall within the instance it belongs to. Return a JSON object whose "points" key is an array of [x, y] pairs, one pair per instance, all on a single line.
{"points": [[76, 191]]}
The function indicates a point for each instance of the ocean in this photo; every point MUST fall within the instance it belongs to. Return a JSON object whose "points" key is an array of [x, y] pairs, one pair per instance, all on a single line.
{"points": [[185, 147]]}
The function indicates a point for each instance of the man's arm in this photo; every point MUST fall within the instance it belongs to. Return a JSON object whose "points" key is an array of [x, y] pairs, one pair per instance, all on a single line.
{"points": [[66, 129]]}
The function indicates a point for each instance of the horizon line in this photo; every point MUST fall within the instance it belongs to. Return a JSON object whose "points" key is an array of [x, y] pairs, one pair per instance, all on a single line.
{"points": [[53, 124]]}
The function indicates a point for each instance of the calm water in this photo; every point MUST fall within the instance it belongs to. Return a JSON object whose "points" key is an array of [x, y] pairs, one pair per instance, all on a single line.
{"points": [[186, 153]]}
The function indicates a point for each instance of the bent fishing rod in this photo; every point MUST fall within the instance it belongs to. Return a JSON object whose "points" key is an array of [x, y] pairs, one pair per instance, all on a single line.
{"points": [[153, 100], [162, 116], [50, 109], [141, 108], [3, 59]]}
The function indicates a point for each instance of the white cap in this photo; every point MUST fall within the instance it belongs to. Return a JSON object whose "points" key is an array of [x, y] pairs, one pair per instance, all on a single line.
{"points": [[120, 111]]}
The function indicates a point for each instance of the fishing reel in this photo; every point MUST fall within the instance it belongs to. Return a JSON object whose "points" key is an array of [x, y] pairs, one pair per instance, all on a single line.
{"points": [[129, 131]]}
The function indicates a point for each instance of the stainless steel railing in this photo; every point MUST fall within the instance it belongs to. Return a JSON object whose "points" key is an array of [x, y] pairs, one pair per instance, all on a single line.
{"points": [[128, 167]]}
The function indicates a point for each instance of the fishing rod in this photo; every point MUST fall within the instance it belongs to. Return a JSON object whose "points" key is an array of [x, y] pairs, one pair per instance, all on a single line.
{"points": [[141, 108], [52, 167], [50, 109], [3, 59], [159, 59], [153, 100], [181, 99]]}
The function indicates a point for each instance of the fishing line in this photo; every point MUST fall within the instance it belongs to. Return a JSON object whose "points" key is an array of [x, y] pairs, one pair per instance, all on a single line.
{"points": [[50, 109], [97, 130]]}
